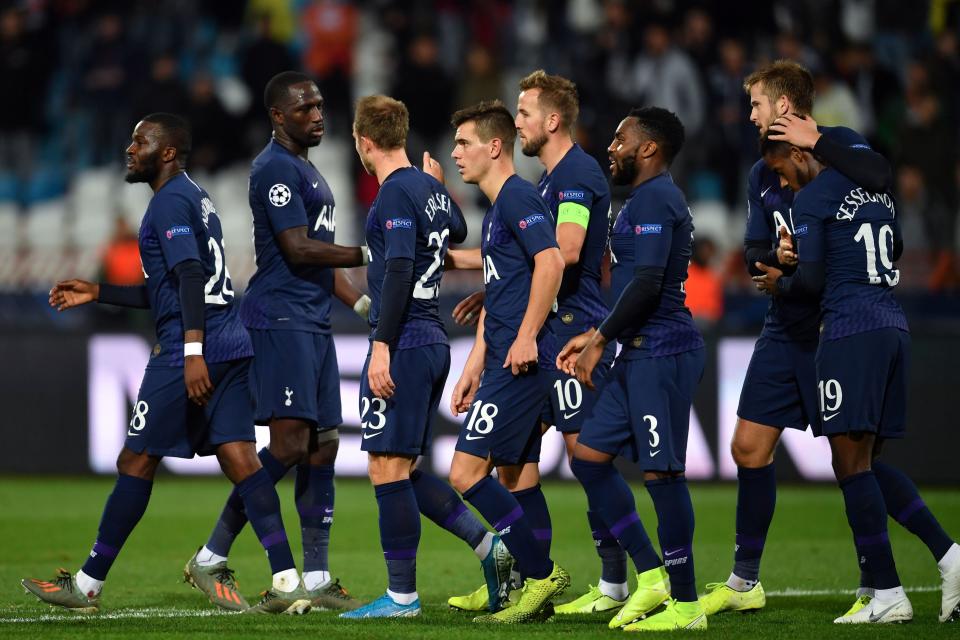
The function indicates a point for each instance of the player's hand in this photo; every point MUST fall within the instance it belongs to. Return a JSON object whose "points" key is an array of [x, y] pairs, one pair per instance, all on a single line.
{"points": [[432, 167], [588, 359], [467, 311], [786, 253], [464, 391], [767, 283], [197, 379], [73, 293], [567, 358], [521, 356], [378, 371], [798, 131]]}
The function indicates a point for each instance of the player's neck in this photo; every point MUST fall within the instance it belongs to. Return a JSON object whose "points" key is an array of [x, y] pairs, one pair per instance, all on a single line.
{"points": [[390, 161], [553, 151], [164, 177], [285, 141], [648, 171], [492, 183]]}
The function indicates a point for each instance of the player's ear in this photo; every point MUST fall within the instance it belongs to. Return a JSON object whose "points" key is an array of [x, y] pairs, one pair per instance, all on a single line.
{"points": [[648, 148], [169, 154], [276, 116], [553, 122], [495, 147]]}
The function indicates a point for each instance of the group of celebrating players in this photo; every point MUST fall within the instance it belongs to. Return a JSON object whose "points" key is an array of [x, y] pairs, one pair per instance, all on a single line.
{"points": [[822, 237]]}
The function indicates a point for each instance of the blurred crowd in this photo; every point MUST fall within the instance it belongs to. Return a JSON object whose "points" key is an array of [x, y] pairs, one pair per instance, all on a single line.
{"points": [[77, 73]]}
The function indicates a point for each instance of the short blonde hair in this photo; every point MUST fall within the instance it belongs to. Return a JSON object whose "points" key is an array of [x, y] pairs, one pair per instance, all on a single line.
{"points": [[785, 78], [556, 93], [383, 120]]}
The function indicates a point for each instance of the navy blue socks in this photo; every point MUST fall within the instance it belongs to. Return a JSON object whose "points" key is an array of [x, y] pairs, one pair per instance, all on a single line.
{"points": [[500, 508], [534, 506], [123, 510], [438, 501], [314, 494], [756, 501], [262, 507], [905, 505], [233, 518], [867, 516], [671, 499], [610, 497], [399, 533], [613, 561]]}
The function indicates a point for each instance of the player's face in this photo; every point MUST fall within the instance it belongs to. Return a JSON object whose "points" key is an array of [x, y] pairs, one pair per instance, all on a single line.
{"points": [[302, 114], [471, 155], [530, 123], [794, 171], [143, 154], [763, 111], [623, 152]]}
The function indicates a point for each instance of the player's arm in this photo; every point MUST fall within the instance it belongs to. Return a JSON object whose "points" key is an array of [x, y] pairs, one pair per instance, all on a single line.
{"points": [[469, 382], [756, 241], [300, 249], [67, 294], [349, 295], [394, 299], [458, 224], [463, 259], [181, 255], [189, 274], [544, 285], [809, 278], [573, 217], [841, 148]]}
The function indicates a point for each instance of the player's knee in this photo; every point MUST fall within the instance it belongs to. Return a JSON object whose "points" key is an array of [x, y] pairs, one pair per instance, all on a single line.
{"points": [[462, 479], [139, 465], [290, 447], [749, 453]]}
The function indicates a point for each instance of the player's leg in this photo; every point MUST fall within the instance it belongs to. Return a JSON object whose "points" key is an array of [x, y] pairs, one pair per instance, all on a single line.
{"points": [[901, 497], [158, 427], [261, 503], [314, 487], [661, 412], [289, 440], [399, 537], [852, 404], [778, 392], [121, 513], [526, 488]]}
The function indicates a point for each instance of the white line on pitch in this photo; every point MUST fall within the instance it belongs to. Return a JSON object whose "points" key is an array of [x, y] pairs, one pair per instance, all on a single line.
{"points": [[159, 612]]}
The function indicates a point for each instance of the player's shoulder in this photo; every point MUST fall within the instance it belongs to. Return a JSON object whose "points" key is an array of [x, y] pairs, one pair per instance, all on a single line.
{"points": [[516, 189], [828, 187], [179, 192], [577, 167], [274, 162], [845, 135]]}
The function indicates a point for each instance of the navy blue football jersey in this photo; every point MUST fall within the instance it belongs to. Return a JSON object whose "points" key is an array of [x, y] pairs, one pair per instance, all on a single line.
{"points": [[655, 229], [181, 224], [412, 217], [768, 209], [577, 187], [287, 191], [852, 231], [516, 228]]}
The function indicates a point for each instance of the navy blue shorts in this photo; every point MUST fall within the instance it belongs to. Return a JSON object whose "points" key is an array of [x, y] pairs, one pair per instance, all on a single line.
{"points": [[571, 402], [780, 388], [504, 421], [295, 375], [403, 423], [643, 412], [862, 383], [166, 422]]}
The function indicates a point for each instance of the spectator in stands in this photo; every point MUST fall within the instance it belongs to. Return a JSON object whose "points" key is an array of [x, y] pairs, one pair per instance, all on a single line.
{"points": [[704, 286], [428, 91], [330, 29], [215, 141]]}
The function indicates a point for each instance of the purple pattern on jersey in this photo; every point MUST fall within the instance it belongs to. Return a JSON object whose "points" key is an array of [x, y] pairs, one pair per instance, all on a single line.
{"points": [[654, 228], [286, 191], [181, 204], [411, 218], [853, 232], [578, 178], [768, 206]]}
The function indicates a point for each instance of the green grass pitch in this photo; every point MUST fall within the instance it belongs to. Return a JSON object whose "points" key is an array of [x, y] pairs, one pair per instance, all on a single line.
{"points": [[808, 570]]}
